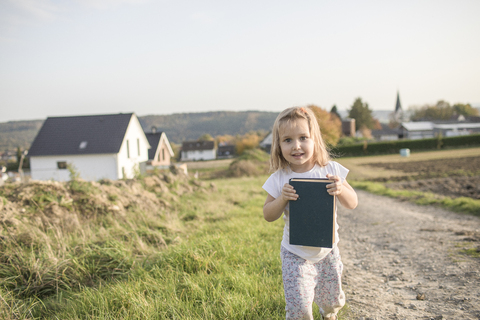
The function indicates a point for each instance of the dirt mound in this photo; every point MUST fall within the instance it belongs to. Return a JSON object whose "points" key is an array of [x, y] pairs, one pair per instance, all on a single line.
{"points": [[66, 204]]}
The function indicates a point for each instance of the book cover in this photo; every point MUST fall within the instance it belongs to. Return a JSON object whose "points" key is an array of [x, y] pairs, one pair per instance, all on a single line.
{"points": [[312, 215]]}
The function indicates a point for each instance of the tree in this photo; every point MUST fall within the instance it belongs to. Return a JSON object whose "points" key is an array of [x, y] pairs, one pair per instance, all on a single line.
{"points": [[206, 137], [225, 139], [465, 109], [248, 141], [441, 111], [330, 125], [334, 111], [362, 115]]}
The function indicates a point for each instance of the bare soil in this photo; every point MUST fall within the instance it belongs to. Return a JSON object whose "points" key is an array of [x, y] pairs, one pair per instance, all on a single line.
{"points": [[404, 261], [453, 177]]}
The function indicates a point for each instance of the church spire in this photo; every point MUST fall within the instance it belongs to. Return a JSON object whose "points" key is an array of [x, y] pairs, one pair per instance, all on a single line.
{"points": [[398, 106]]}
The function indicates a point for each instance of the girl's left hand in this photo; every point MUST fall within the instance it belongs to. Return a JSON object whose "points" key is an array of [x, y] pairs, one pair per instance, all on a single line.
{"points": [[335, 188]]}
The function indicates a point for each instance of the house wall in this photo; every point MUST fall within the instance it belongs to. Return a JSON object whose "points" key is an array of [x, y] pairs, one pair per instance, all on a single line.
{"points": [[89, 167], [198, 155], [133, 152], [162, 157], [420, 135]]}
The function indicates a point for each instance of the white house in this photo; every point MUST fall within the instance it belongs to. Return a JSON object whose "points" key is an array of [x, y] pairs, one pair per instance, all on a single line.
{"points": [[161, 152], [101, 146], [198, 150]]}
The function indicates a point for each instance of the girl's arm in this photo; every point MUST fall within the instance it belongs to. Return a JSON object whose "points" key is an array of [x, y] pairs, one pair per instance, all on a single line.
{"points": [[273, 208], [344, 192]]}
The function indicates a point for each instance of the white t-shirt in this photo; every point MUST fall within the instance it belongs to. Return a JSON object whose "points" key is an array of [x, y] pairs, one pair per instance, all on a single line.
{"points": [[274, 185]]}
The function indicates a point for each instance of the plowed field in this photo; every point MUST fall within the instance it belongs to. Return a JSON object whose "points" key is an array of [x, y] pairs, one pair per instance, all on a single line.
{"points": [[454, 177]]}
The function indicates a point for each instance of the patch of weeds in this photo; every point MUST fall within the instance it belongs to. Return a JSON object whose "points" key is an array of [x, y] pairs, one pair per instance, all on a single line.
{"points": [[472, 252], [112, 197]]}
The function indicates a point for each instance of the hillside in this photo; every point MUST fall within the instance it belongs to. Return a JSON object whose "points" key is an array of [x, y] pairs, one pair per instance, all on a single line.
{"points": [[190, 126], [178, 127]]}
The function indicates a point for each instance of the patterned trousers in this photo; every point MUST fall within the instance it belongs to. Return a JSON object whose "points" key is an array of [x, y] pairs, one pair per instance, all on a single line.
{"points": [[305, 282]]}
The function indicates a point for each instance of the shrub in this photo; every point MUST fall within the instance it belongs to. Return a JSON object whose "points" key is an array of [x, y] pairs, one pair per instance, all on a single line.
{"points": [[250, 163]]}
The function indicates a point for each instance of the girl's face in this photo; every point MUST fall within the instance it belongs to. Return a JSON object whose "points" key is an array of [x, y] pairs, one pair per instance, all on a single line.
{"points": [[297, 146]]}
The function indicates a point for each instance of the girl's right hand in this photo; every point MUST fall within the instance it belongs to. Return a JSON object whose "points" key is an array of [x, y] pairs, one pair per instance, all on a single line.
{"points": [[288, 193]]}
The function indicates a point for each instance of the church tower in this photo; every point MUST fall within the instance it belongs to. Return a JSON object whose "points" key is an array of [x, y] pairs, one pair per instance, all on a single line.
{"points": [[398, 114]]}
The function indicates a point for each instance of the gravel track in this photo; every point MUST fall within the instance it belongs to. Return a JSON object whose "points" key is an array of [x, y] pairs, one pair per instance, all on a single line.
{"points": [[403, 261]]}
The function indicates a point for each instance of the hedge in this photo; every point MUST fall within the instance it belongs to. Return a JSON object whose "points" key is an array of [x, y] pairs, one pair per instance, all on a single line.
{"points": [[393, 147]]}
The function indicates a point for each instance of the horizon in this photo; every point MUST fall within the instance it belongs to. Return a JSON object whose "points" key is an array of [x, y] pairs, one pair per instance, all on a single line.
{"points": [[342, 112], [160, 58]]}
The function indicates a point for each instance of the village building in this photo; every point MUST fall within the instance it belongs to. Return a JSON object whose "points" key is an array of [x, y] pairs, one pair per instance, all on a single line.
{"points": [[198, 150], [160, 153], [109, 146], [266, 143], [430, 129], [225, 151]]}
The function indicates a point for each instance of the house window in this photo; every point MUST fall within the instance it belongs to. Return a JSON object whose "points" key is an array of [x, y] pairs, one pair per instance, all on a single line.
{"points": [[138, 146], [163, 154], [62, 164], [128, 150]]}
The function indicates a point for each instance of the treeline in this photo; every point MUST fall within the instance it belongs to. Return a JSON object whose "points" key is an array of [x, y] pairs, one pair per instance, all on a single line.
{"points": [[442, 111]]}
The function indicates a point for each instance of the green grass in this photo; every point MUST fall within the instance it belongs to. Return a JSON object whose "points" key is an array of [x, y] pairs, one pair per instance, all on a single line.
{"points": [[222, 261], [461, 205]]}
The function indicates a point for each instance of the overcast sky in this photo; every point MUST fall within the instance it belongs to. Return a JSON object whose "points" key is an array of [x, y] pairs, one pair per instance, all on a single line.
{"points": [[82, 57]]}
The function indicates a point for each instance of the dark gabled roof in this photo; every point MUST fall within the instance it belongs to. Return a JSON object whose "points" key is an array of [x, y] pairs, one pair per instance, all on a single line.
{"points": [[228, 147], [386, 130], [153, 139], [81, 135], [198, 145]]}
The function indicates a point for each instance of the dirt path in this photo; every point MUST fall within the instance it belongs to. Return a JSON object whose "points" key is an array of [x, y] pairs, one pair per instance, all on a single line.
{"points": [[394, 251]]}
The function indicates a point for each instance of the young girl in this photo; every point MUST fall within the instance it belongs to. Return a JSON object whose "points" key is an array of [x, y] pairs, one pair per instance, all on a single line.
{"points": [[309, 273]]}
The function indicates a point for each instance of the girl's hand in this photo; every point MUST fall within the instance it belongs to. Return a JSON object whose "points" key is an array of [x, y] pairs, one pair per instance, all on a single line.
{"points": [[335, 188], [288, 193]]}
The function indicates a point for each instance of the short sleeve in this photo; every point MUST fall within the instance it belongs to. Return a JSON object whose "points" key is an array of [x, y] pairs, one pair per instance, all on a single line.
{"points": [[340, 170], [271, 185]]}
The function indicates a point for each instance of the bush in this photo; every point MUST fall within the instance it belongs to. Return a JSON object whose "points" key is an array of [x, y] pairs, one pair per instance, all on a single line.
{"points": [[250, 163]]}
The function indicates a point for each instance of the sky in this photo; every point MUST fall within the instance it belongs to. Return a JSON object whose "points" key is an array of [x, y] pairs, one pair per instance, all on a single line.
{"points": [[80, 57]]}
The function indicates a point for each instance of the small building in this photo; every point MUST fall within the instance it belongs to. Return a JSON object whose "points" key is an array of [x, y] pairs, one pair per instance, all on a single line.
{"points": [[386, 133], [417, 130], [225, 151], [348, 127], [160, 153], [111, 146], [198, 150], [429, 129], [266, 143]]}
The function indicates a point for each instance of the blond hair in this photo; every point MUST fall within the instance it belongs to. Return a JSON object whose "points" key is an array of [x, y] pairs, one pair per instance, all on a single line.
{"points": [[320, 152]]}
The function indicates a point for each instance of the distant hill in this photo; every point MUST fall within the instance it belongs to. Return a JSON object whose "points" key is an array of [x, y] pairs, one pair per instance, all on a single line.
{"points": [[15, 134], [178, 127], [190, 126]]}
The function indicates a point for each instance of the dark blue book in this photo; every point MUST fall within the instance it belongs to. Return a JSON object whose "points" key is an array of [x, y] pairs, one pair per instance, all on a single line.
{"points": [[312, 215]]}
